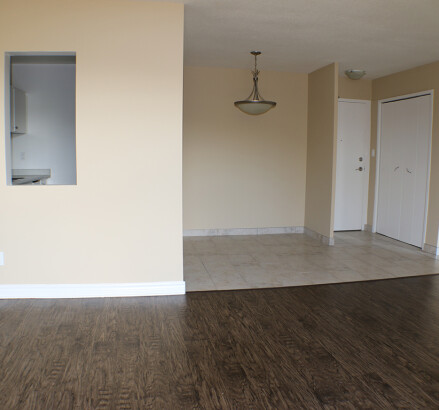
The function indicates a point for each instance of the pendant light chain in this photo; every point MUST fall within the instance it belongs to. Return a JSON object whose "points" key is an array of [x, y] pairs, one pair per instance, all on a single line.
{"points": [[255, 103], [256, 72]]}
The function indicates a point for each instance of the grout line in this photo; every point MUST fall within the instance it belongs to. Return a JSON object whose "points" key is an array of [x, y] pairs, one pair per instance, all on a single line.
{"points": [[208, 274]]}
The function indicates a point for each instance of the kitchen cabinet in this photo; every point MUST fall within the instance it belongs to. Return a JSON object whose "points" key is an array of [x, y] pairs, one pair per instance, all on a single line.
{"points": [[18, 111]]}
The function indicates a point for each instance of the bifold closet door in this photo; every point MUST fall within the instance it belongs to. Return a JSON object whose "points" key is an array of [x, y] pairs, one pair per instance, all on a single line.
{"points": [[404, 151]]}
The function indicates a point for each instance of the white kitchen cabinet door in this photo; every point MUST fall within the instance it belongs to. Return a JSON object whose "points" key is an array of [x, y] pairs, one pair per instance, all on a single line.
{"points": [[18, 111], [403, 173]]}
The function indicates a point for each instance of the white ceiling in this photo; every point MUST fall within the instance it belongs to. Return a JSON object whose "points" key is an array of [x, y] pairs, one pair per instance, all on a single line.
{"points": [[379, 36]]}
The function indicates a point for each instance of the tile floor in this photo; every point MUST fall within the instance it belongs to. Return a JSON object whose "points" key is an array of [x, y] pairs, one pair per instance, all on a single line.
{"points": [[263, 261]]}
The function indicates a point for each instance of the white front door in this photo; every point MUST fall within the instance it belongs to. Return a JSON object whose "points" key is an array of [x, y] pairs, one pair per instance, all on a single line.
{"points": [[403, 169], [352, 169]]}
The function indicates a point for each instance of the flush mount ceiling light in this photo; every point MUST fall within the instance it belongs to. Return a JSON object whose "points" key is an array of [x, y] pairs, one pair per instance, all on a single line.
{"points": [[255, 103], [355, 74]]}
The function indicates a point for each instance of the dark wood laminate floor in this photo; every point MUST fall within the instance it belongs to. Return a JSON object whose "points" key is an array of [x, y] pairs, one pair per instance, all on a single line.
{"points": [[359, 345]]}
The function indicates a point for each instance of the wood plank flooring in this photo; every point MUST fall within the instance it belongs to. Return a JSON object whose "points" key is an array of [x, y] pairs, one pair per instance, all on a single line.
{"points": [[358, 345]]}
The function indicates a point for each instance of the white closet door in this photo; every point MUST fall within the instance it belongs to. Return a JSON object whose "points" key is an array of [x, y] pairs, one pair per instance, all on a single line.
{"points": [[416, 174], [390, 184], [404, 151]]}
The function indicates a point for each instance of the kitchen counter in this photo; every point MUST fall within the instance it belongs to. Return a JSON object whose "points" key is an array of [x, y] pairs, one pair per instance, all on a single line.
{"points": [[30, 176]]}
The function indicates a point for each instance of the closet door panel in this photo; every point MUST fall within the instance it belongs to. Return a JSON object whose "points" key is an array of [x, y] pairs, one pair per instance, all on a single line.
{"points": [[420, 169], [408, 142], [390, 187]]}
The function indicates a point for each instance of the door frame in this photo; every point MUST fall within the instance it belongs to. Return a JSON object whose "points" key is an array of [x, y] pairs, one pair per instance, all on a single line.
{"points": [[365, 194], [378, 156]]}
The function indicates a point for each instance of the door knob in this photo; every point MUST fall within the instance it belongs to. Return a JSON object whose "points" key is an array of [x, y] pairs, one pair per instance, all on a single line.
{"points": [[359, 169]]}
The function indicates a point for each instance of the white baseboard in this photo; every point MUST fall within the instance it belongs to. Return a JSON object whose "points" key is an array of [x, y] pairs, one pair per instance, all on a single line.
{"points": [[91, 290], [243, 231], [431, 250], [322, 238]]}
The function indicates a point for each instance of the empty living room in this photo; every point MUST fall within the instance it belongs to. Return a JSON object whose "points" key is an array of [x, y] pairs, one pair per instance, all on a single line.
{"points": [[240, 213]]}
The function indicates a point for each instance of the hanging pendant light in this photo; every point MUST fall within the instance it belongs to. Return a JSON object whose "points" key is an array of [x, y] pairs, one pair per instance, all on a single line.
{"points": [[255, 103]]}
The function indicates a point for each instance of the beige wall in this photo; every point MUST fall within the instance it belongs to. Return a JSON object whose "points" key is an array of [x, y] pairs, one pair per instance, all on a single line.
{"points": [[355, 89], [406, 82], [122, 222], [322, 137], [243, 171]]}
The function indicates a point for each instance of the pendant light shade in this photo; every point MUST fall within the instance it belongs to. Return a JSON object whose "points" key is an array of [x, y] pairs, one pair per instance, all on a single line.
{"points": [[255, 103]]}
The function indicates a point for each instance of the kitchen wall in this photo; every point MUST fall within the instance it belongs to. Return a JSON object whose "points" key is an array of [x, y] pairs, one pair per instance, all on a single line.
{"points": [[421, 78], [122, 222], [50, 139], [243, 171], [321, 152]]}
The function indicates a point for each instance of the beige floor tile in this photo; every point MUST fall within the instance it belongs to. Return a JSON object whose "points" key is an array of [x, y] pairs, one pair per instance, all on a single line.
{"points": [[295, 279], [348, 275], [198, 281], [199, 285], [242, 259], [321, 276], [301, 263], [254, 261], [230, 280]]}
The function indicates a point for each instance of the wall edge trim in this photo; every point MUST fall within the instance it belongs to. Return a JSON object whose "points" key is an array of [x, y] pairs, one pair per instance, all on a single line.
{"points": [[431, 250], [243, 231], [325, 240], [91, 290]]}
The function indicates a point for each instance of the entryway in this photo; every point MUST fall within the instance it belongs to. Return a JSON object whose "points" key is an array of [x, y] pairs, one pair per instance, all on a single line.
{"points": [[352, 170], [266, 261]]}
